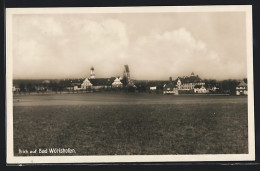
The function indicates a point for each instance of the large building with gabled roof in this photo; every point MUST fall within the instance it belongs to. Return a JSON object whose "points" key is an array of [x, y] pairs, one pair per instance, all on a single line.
{"points": [[241, 88], [189, 82]]}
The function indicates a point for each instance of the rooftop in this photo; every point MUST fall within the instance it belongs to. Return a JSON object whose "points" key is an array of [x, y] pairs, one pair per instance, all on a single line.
{"points": [[242, 84], [190, 79], [102, 81]]}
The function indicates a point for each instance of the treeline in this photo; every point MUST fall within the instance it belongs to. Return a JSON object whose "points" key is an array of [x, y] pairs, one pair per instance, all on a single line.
{"points": [[223, 86], [44, 85]]}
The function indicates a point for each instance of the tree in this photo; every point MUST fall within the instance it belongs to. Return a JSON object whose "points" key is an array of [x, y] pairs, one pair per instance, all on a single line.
{"points": [[54, 86], [22, 87], [130, 89], [124, 81], [210, 83], [229, 86], [30, 87], [141, 88]]}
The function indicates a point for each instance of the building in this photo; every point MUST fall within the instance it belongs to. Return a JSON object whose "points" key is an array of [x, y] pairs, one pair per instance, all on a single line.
{"points": [[86, 84], [126, 77], [188, 83], [41, 88], [153, 88], [95, 83], [200, 89], [241, 88], [117, 83], [101, 83], [105, 83], [213, 89], [170, 88], [92, 73], [15, 89], [126, 74]]}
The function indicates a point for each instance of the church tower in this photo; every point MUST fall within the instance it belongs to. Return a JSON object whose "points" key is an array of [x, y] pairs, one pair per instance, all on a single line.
{"points": [[127, 74], [179, 83], [92, 74]]}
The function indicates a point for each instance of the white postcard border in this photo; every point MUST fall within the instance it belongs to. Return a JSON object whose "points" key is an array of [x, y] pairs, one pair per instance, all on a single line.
{"points": [[11, 159]]}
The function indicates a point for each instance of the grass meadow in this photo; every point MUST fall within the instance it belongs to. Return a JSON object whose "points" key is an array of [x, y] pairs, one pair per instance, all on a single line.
{"points": [[133, 124]]}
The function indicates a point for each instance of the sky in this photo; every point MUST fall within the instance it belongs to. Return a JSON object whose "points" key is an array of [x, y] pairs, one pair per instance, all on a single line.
{"points": [[154, 45]]}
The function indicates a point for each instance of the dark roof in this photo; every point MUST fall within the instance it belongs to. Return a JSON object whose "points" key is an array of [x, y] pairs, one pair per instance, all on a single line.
{"points": [[197, 86], [190, 79], [169, 85], [102, 81], [75, 84]]}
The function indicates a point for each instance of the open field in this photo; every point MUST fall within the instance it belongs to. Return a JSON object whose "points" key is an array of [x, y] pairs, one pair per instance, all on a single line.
{"points": [[109, 124]]}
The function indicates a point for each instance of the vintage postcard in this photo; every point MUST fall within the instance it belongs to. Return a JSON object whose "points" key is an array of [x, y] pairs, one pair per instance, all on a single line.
{"points": [[129, 84]]}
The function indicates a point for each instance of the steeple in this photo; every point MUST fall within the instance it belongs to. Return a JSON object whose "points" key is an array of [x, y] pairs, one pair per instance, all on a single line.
{"points": [[179, 83], [92, 74]]}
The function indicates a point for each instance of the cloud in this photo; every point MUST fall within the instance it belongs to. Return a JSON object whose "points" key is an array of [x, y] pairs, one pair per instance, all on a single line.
{"points": [[58, 47], [101, 44], [176, 53], [37, 26], [70, 51]]}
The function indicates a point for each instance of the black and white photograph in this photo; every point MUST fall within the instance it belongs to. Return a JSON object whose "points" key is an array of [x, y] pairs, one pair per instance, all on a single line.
{"points": [[129, 84]]}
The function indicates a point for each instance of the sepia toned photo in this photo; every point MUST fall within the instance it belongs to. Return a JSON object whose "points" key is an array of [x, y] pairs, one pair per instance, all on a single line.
{"points": [[129, 84]]}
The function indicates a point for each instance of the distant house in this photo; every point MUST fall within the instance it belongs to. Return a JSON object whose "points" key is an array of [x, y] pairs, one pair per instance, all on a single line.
{"points": [[241, 88], [41, 88], [153, 88], [200, 89], [213, 89], [117, 83], [170, 88], [76, 86], [15, 89]]}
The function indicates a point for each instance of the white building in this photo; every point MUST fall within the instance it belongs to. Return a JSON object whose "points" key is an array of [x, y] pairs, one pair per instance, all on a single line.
{"points": [[200, 89], [86, 84], [153, 88], [117, 83], [241, 89]]}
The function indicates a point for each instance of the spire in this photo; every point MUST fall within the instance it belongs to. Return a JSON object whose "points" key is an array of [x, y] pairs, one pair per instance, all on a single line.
{"points": [[92, 74]]}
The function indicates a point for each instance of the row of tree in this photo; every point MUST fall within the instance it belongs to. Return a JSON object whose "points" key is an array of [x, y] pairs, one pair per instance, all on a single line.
{"points": [[224, 86]]}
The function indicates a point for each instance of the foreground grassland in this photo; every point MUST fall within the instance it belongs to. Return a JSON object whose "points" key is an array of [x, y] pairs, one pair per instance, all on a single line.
{"points": [[96, 124]]}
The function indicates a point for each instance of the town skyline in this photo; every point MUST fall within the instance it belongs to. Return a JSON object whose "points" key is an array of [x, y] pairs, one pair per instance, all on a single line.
{"points": [[122, 75], [154, 45]]}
